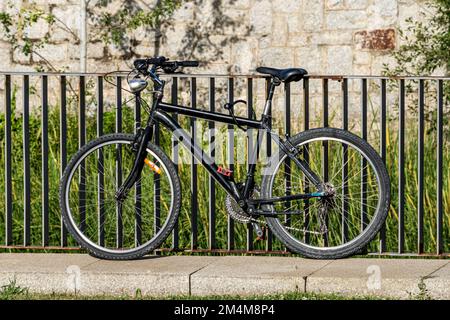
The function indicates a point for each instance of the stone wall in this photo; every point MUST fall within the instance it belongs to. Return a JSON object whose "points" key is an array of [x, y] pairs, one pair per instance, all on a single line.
{"points": [[323, 36], [235, 36]]}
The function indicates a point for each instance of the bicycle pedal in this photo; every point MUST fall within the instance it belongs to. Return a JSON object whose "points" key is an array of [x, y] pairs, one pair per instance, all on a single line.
{"points": [[261, 237], [260, 233]]}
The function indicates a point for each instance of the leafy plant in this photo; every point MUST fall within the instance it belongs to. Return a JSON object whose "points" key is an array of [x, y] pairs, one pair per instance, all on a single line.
{"points": [[426, 42], [12, 290], [423, 294], [425, 50], [15, 29], [115, 28]]}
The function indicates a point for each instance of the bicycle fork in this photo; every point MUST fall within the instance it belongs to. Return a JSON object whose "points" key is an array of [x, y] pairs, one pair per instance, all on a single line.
{"points": [[138, 165]]}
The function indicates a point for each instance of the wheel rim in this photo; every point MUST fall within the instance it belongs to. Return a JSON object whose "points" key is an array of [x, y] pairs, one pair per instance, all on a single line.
{"points": [[344, 219], [111, 227]]}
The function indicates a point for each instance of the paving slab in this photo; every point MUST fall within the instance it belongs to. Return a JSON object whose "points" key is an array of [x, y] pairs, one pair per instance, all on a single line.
{"points": [[254, 275], [156, 275], [42, 272], [398, 278], [81, 273]]}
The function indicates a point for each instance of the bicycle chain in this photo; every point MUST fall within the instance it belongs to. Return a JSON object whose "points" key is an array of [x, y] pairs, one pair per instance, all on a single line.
{"points": [[289, 228], [238, 215]]}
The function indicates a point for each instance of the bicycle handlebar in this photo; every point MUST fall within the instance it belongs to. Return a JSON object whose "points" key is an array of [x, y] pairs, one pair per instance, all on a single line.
{"points": [[188, 63], [142, 65]]}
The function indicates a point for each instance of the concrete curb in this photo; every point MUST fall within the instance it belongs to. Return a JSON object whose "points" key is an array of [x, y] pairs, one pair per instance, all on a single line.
{"points": [[399, 278], [241, 275]]}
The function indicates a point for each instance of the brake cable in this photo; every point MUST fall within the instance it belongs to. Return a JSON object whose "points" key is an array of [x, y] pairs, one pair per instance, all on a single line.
{"points": [[230, 107]]}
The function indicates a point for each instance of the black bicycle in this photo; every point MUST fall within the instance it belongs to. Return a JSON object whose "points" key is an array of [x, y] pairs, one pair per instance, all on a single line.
{"points": [[324, 194]]}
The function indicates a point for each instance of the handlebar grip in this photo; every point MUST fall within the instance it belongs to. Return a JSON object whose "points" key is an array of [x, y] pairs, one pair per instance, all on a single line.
{"points": [[188, 63]]}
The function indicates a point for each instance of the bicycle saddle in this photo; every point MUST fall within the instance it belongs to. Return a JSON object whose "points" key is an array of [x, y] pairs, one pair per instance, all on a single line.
{"points": [[284, 75]]}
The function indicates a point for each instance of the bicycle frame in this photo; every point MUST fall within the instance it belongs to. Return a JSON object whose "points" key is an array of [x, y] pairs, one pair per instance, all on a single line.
{"points": [[160, 113]]}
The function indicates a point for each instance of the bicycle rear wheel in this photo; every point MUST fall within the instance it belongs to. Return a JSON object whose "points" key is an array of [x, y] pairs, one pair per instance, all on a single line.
{"points": [[112, 229], [348, 218]]}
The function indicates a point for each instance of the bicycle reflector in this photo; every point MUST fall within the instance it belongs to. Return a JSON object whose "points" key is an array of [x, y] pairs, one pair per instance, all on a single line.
{"points": [[152, 166]]}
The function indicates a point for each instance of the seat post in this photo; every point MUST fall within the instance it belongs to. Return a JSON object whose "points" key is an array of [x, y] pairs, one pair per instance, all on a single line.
{"points": [[273, 83]]}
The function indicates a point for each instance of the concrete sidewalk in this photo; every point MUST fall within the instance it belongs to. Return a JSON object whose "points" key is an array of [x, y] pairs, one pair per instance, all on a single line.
{"points": [[244, 275]]}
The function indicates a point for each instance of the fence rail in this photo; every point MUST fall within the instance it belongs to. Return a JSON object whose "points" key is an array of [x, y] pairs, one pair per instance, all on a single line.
{"points": [[419, 218]]}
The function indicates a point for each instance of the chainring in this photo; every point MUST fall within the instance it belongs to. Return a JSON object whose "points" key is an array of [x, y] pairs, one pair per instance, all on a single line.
{"points": [[235, 211]]}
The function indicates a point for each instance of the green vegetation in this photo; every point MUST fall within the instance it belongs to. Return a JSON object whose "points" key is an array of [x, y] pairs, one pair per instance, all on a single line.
{"points": [[286, 296], [426, 42], [12, 291], [425, 51], [423, 293], [112, 26]]}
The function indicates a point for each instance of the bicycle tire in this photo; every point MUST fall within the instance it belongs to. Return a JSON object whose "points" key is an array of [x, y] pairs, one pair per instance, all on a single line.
{"points": [[368, 234], [163, 232]]}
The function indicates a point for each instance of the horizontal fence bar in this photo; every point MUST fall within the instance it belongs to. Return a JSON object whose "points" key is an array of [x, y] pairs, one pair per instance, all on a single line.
{"points": [[224, 75], [219, 251]]}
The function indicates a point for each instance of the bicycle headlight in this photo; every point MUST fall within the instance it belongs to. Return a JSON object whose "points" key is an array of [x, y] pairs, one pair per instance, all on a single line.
{"points": [[137, 84]]}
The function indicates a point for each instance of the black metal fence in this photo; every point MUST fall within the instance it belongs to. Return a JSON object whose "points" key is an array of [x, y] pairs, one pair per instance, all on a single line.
{"points": [[404, 118]]}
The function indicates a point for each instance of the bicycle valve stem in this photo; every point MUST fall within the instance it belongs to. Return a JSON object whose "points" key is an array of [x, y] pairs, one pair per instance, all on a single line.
{"points": [[152, 166]]}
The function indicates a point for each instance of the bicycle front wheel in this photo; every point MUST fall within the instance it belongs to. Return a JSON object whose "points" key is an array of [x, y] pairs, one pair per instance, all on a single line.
{"points": [[357, 198], [106, 227]]}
